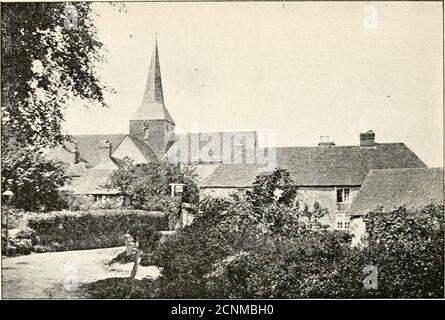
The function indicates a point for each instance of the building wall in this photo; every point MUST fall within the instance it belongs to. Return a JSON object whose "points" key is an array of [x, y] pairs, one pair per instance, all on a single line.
{"points": [[221, 192], [157, 137], [327, 198]]}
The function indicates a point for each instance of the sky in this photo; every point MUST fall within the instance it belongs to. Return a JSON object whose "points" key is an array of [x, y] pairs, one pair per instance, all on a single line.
{"points": [[303, 69]]}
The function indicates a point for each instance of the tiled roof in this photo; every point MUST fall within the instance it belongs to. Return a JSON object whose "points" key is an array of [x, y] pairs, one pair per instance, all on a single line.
{"points": [[78, 169], [394, 188], [322, 166], [223, 141], [233, 175], [203, 171], [88, 146], [93, 182], [152, 111], [145, 149]]}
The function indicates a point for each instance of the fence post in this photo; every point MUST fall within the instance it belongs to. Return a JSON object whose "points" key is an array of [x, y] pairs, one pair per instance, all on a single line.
{"points": [[137, 260]]}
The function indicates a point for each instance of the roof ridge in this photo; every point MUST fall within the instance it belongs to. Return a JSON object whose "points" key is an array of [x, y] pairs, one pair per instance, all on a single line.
{"points": [[331, 147], [406, 169]]}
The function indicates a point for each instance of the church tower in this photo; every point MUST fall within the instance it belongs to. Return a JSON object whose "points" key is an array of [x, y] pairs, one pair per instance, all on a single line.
{"points": [[152, 123]]}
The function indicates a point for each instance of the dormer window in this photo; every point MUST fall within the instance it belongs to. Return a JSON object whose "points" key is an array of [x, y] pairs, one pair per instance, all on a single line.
{"points": [[343, 195]]}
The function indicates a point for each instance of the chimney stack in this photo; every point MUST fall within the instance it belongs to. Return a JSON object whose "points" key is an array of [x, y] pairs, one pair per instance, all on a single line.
{"points": [[367, 139], [104, 150], [325, 142], [76, 154]]}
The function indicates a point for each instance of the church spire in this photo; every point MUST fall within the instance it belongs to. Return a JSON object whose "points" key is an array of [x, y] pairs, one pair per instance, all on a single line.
{"points": [[153, 107], [153, 89]]}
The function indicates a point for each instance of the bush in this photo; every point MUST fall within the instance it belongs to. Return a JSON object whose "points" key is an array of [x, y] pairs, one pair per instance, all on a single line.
{"points": [[407, 247], [119, 288], [66, 230], [77, 202], [250, 248]]}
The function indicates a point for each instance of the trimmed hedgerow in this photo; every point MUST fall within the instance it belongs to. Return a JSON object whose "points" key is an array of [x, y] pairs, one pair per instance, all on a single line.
{"points": [[67, 230]]}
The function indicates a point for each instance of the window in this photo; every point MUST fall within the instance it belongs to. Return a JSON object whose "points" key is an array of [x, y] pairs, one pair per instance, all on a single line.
{"points": [[342, 221], [343, 195]]}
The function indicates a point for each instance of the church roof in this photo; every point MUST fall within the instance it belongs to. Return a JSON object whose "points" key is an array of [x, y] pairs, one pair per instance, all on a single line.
{"points": [[393, 188], [144, 148], [153, 107], [321, 166]]}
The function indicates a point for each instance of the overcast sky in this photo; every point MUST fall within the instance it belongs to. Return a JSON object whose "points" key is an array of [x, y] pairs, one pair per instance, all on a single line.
{"points": [[302, 69]]}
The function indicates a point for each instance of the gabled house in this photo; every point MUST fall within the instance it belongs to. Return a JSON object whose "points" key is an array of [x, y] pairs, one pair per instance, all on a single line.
{"points": [[391, 189], [328, 174]]}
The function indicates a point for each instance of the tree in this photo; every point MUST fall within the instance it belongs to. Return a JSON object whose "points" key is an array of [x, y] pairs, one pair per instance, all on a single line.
{"points": [[273, 187], [147, 186], [34, 180], [44, 64]]}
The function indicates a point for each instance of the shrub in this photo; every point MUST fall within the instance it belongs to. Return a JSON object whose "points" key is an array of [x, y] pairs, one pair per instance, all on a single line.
{"points": [[407, 247], [76, 202], [119, 288], [261, 247], [67, 230]]}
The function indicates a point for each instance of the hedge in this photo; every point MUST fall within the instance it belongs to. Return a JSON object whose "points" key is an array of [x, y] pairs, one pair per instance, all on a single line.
{"points": [[67, 230]]}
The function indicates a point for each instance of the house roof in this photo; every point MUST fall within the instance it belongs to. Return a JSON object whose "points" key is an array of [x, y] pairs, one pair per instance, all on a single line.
{"points": [[230, 175], [214, 147], [78, 169], [93, 181], [321, 166], [393, 188], [88, 146]]}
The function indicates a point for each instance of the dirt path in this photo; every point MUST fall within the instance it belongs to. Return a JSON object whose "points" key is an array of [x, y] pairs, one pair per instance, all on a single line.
{"points": [[58, 275]]}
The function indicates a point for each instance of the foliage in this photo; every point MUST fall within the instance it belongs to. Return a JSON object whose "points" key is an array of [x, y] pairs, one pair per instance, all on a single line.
{"points": [[77, 202], [407, 247], [274, 187], [67, 230], [34, 179], [147, 186], [232, 252], [119, 288], [44, 65], [228, 253]]}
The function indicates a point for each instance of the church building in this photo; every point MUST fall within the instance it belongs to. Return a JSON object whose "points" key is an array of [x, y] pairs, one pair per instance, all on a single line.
{"points": [[328, 174]]}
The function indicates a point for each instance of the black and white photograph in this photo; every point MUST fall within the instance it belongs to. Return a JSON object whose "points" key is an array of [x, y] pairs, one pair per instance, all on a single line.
{"points": [[278, 150]]}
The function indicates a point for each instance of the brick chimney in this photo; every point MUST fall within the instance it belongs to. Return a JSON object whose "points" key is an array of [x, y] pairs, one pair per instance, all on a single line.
{"points": [[76, 154], [367, 139], [104, 150], [326, 142]]}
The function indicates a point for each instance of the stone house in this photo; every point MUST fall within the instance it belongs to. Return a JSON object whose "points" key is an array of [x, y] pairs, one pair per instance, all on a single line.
{"points": [[328, 174]]}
